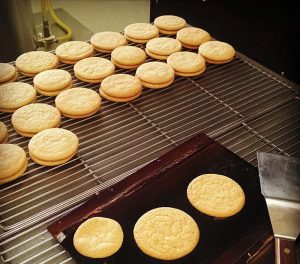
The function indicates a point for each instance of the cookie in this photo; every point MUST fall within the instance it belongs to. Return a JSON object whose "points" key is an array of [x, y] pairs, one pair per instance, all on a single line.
{"points": [[53, 146], [186, 63], [3, 133], [216, 195], [34, 62], [72, 51], [120, 88], [98, 237], [93, 69], [8, 73], [106, 42], [217, 52], [15, 95], [166, 233], [192, 37], [128, 57], [52, 82], [169, 24], [140, 32], [155, 74], [78, 103], [33, 118], [13, 162], [161, 48]]}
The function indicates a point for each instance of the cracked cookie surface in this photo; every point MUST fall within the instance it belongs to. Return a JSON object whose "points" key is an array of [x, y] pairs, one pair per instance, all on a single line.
{"points": [[15, 95], [107, 41], [93, 69], [216, 52], [98, 237], [216, 195], [53, 146], [186, 63], [78, 102], [166, 233], [34, 62], [33, 118], [155, 74]]}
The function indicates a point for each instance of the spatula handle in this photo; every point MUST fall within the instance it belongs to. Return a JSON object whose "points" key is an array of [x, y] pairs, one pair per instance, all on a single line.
{"points": [[285, 251]]}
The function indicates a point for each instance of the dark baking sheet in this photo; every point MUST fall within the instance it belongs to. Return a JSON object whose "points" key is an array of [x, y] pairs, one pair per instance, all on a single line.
{"points": [[239, 239]]}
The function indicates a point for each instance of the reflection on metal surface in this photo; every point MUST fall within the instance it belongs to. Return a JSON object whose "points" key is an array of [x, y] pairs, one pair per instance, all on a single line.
{"points": [[80, 32], [285, 216]]}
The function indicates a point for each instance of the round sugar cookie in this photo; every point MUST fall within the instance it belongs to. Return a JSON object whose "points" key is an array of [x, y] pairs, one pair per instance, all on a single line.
{"points": [[15, 95], [166, 233], [3, 133], [78, 102], [169, 24], [33, 118], [8, 73], [128, 57], [93, 69], [34, 62], [98, 237], [161, 48], [107, 41], [217, 52], [216, 195], [120, 88], [155, 74], [53, 146], [140, 32], [72, 51], [52, 82], [186, 63], [192, 37], [13, 162]]}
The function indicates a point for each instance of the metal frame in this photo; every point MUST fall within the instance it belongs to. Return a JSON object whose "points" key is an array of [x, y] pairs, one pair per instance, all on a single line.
{"points": [[242, 105]]}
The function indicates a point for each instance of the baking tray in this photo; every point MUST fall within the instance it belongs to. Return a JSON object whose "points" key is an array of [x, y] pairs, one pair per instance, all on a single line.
{"points": [[163, 182]]}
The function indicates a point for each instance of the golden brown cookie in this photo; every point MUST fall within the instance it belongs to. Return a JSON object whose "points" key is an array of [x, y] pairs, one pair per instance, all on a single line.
{"points": [[93, 69], [192, 37], [98, 237], [186, 63], [78, 102], [155, 74], [15, 95], [128, 57], [140, 32], [13, 162], [8, 73], [3, 133], [169, 24], [52, 82], [161, 48], [120, 88], [72, 51], [217, 52], [34, 62], [33, 118], [107, 41], [166, 233], [216, 195], [53, 146]]}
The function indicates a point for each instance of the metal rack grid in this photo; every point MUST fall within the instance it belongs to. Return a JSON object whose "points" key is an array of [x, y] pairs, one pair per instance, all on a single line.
{"points": [[239, 104]]}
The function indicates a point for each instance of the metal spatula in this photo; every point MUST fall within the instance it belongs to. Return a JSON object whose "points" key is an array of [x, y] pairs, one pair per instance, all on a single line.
{"points": [[280, 185]]}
